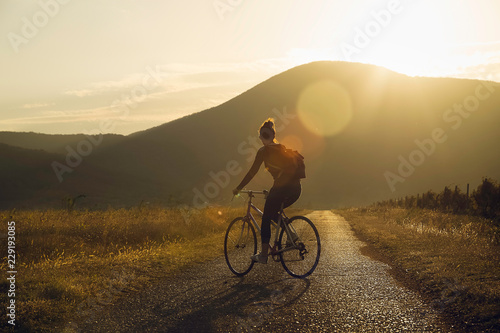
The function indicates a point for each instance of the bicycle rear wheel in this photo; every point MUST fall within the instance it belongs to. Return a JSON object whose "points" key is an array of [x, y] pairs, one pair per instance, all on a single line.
{"points": [[240, 243], [301, 259]]}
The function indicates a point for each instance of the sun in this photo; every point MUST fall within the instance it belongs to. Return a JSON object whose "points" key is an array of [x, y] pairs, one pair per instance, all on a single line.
{"points": [[414, 43], [405, 60]]}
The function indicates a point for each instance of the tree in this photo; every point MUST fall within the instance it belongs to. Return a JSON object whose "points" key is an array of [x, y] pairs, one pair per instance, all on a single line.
{"points": [[445, 199], [459, 201], [487, 198]]}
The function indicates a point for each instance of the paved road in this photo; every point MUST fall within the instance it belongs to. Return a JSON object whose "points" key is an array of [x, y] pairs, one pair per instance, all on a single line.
{"points": [[348, 292]]}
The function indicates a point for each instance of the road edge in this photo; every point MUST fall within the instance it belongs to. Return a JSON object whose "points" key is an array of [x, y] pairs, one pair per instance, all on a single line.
{"points": [[403, 278]]}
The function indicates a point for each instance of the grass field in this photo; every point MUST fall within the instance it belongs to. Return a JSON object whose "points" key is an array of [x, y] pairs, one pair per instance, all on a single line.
{"points": [[453, 259], [71, 264]]}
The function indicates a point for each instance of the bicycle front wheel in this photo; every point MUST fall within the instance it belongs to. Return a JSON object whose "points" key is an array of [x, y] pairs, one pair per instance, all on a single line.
{"points": [[300, 254], [240, 244]]}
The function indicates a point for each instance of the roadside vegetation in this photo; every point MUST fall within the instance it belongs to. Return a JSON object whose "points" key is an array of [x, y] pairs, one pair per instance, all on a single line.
{"points": [[449, 250], [71, 264]]}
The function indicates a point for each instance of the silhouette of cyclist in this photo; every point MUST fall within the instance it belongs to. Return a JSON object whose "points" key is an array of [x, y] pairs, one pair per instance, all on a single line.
{"points": [[286, 188]]}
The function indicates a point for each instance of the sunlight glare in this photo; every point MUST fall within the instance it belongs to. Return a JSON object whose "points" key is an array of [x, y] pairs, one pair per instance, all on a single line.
{"points": [[410, 45], [300, 56]]}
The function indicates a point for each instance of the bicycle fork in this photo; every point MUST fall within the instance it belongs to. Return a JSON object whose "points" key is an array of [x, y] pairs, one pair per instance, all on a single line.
{"points": [[245, 228]]}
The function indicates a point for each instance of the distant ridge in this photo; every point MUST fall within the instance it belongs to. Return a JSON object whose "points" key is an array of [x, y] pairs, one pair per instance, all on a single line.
{"points": [[382, 152], [52, 143]]}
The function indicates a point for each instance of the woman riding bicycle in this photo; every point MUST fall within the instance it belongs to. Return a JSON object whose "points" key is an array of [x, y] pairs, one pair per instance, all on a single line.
{"points": [[286, 188]]}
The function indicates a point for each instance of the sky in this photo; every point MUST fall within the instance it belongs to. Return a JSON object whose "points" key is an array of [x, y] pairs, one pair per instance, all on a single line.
{"points": [[121, 66]]}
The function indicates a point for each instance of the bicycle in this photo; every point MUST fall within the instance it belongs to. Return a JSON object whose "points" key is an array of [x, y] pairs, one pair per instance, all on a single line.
{"points": [[296, 242]]}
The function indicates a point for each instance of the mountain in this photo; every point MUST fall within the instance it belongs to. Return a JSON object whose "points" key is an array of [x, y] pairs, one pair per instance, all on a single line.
{"points": [[367, 134]]}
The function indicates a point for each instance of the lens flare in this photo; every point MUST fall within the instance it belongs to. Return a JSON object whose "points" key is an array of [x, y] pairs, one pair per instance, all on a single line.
{"points": [[325, 108]]}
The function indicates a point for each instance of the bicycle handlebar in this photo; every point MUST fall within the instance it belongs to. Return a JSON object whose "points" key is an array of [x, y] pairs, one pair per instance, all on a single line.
{"points": [[255, 192], [251, 192]]}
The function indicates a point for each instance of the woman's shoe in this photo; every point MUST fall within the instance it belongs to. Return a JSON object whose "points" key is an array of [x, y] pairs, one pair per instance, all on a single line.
{"points": [[259, 258]]}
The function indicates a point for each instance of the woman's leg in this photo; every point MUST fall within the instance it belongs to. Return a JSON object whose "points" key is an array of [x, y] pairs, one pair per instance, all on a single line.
{"points": [[271, 209], [286, 195]]}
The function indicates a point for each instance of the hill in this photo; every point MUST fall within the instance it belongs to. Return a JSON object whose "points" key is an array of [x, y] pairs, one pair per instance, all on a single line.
{"points": [[367, 134], [28, 180]]}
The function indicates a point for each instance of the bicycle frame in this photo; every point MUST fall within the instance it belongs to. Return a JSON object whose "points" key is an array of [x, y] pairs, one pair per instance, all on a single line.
{"points": [[277, 225]]}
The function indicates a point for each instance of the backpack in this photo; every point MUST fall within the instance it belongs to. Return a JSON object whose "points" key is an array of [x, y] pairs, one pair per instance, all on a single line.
{"points": [[291, 163]]}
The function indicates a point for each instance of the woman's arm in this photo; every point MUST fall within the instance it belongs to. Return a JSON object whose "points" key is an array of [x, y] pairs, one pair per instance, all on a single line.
{"points": [[259, 158]]}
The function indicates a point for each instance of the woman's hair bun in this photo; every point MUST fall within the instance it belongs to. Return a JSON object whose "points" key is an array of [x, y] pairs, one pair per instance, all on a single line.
{"points": [[267, 130], [269, 123]]}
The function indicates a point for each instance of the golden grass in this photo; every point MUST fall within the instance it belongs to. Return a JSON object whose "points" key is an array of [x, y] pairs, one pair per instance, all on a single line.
{"points": [[455, 259], [71, 264]]}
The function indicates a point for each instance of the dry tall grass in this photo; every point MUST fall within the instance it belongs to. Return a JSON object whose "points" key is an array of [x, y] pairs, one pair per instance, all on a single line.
{"points": [[70, 264], [454, 258]]}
